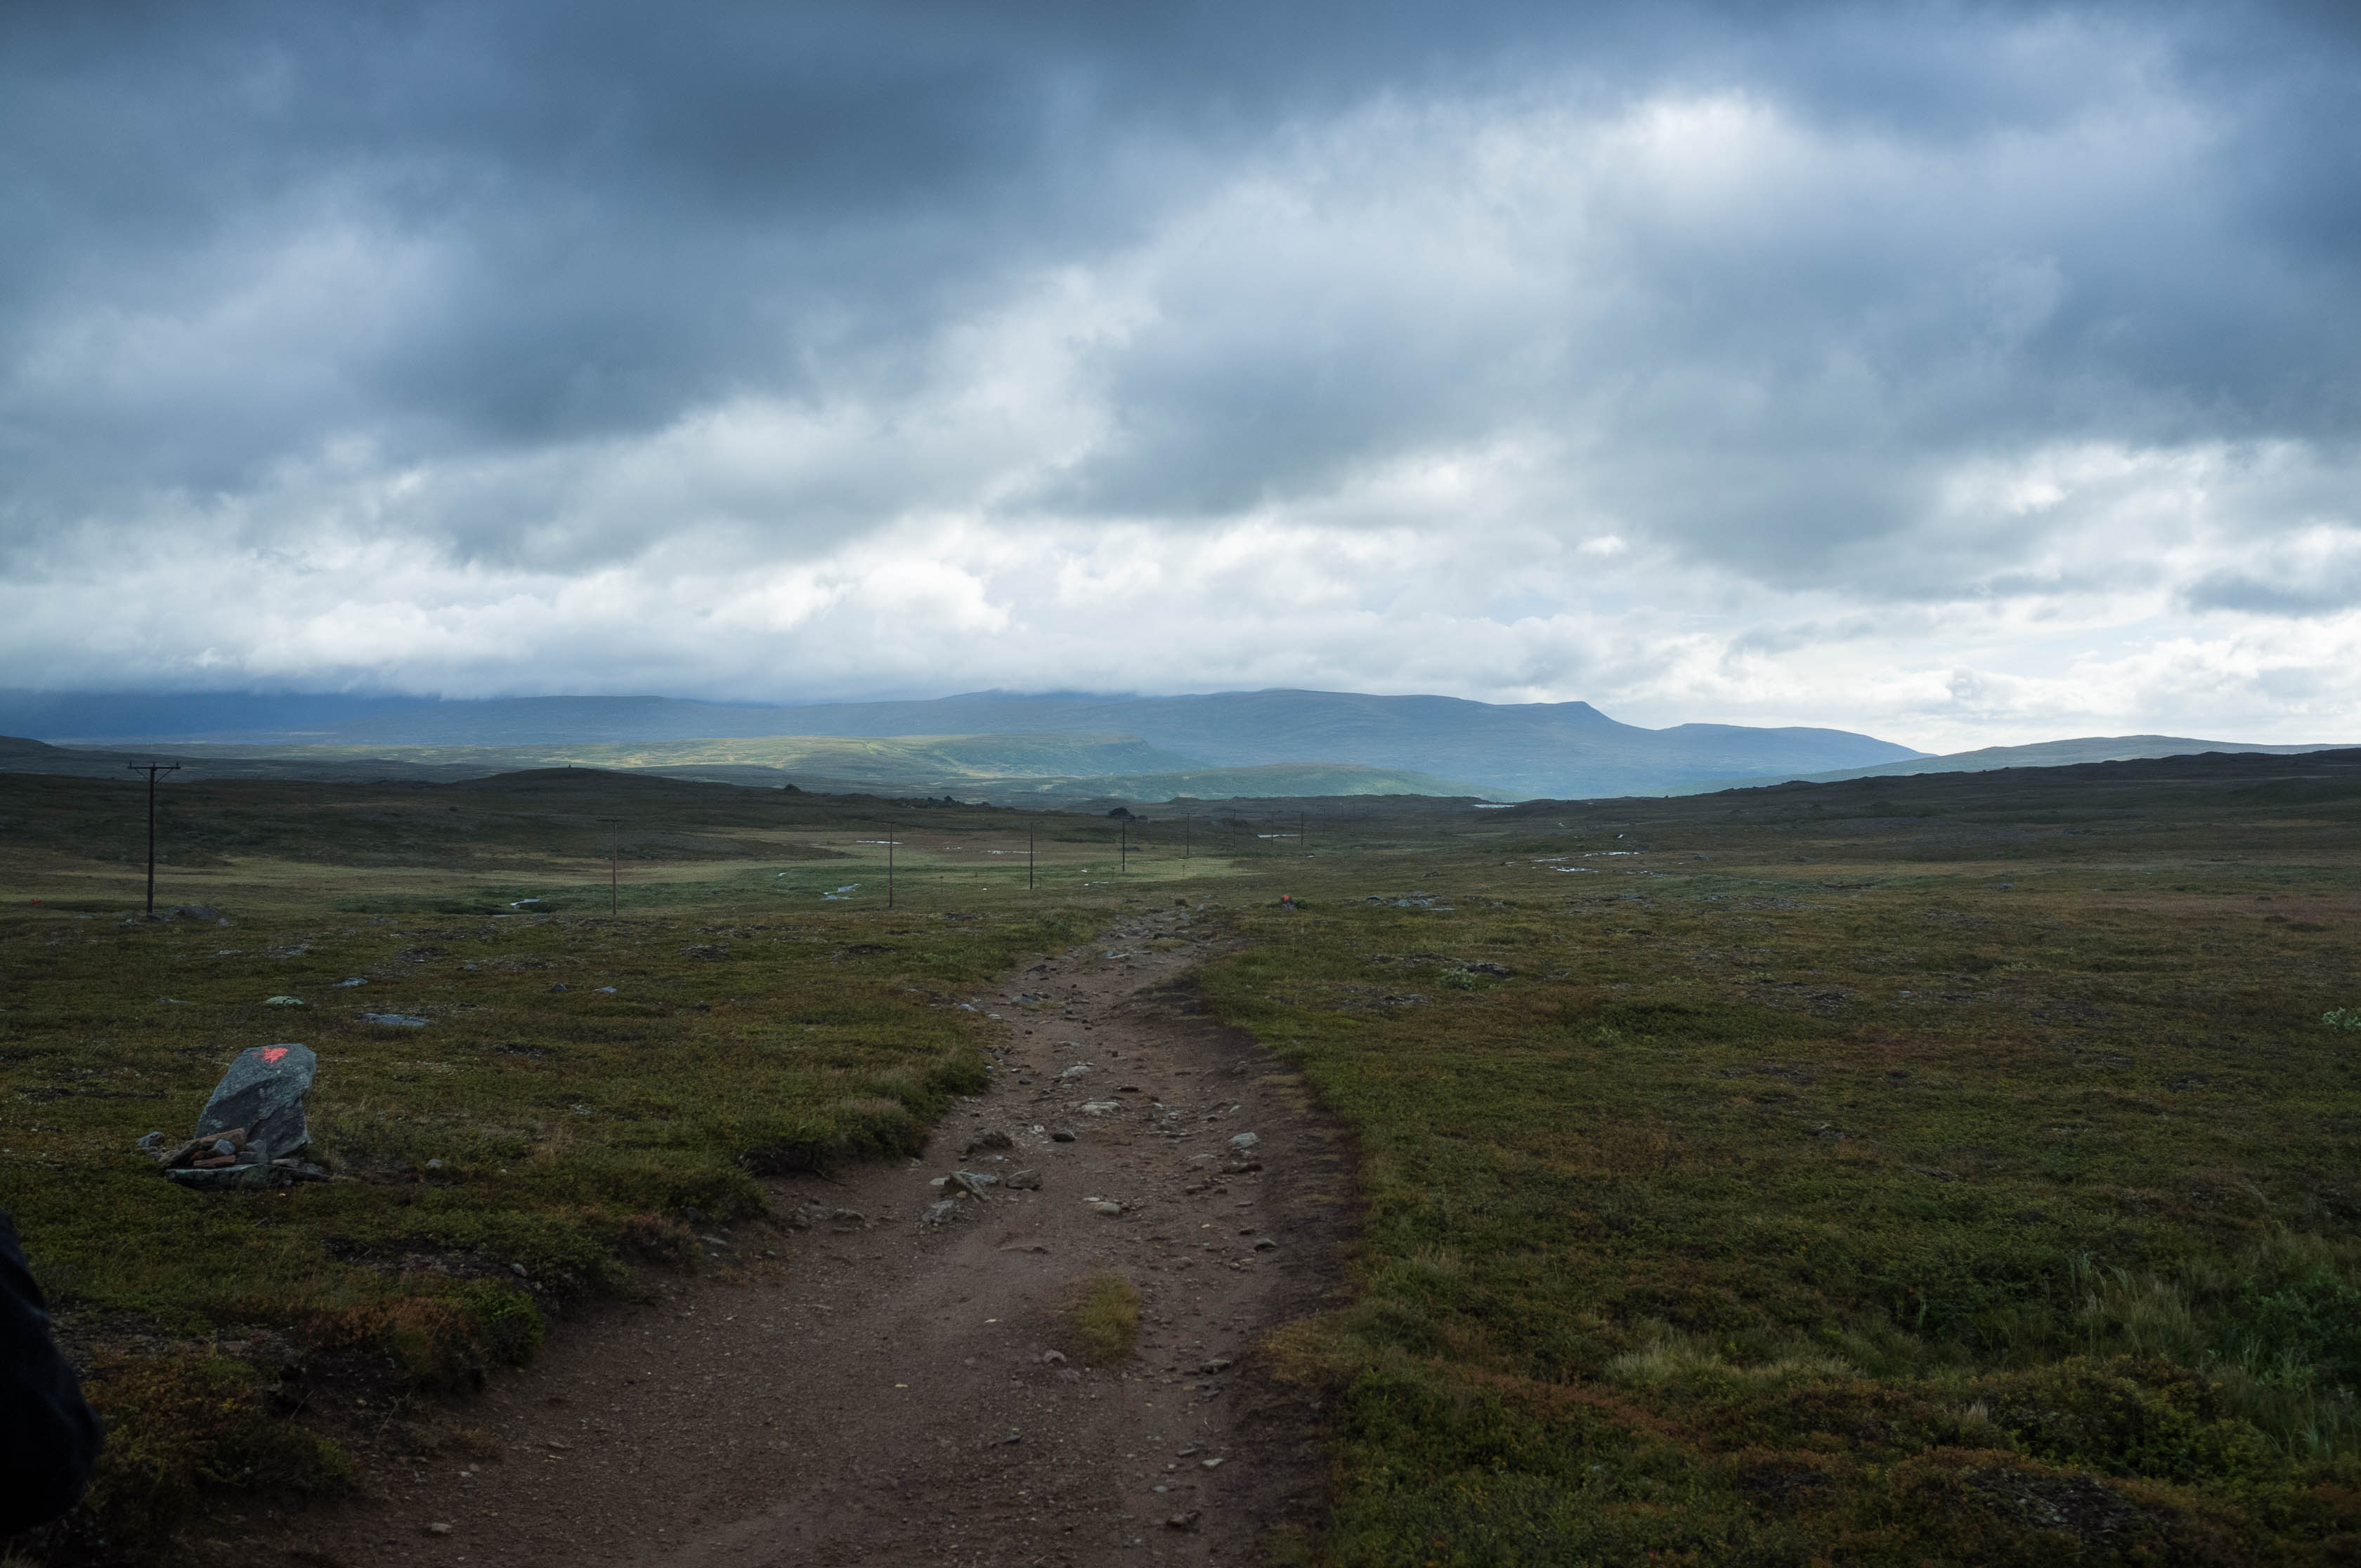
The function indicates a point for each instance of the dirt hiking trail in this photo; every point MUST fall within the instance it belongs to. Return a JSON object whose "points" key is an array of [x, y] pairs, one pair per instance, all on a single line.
{"points": [[879, 1388]]}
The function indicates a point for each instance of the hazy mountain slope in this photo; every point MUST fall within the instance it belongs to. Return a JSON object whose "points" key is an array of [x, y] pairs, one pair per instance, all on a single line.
{"points": [[71, 716], [2040, 754], [1563, 749]]}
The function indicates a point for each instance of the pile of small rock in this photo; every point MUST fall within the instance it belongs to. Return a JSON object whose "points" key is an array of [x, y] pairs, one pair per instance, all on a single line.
{"points": [[978, 1184], [229, 1159]]}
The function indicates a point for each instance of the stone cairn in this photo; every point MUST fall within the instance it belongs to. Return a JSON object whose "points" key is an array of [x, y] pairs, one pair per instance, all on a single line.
{"points": [[252, 1133]]}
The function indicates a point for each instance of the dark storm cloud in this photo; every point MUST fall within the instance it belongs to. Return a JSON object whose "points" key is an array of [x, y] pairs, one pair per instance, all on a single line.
{"points": [[586, 217]]}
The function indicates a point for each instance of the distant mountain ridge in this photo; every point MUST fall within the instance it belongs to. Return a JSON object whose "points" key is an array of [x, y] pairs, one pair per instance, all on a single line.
{"points": [[2039, 754], [1013, 765], [1567, 748]]}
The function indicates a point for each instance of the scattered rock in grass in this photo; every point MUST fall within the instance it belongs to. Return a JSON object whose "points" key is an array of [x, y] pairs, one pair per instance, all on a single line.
{"points": [[1182, 1522], [1078, 1070], [1101, 1107], [282, 1001], [1063, 1135], [1244, 1141], [974, 1182], [1213, 1463], [1022, 1181], [1265, 1244], [1051, 1358], [395, 1020], [938, 1212], [153, 1143], [438, 1528], [1106, 1206], [847, 1217], [345, 984]]}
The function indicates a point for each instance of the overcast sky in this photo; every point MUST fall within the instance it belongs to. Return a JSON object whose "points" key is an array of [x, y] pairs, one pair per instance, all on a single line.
{"points": [[1965, 374]]}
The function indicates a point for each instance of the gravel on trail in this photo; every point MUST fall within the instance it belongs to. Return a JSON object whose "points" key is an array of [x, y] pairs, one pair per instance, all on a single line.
{"points": [[853, 1381]]}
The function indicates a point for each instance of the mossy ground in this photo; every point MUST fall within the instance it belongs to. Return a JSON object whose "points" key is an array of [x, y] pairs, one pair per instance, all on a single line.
{"points": [[1923, 1174]]}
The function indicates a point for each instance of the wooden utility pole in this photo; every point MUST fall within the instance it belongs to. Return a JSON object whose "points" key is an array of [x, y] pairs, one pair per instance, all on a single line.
{"points": [[1188, 834], [1123, 846], [151, 770], [614, 864]]}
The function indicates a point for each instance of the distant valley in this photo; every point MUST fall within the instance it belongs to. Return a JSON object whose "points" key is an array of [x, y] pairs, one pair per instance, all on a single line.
{"points": [[1003, 746], [1441, 745]]}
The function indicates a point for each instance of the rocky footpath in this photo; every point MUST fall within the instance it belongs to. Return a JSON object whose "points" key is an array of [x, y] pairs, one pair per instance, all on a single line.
{"points": [[886, 1372]]}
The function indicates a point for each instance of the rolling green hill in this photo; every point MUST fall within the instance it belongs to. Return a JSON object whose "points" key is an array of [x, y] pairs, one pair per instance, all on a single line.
{"points": [[1057, 767]]}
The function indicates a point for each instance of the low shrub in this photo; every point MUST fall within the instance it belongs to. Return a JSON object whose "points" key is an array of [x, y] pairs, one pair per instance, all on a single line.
{"points": [[178, 1426]]}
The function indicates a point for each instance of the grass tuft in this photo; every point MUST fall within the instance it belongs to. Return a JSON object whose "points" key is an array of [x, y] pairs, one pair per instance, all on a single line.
{"points": [[1106, 1323]]}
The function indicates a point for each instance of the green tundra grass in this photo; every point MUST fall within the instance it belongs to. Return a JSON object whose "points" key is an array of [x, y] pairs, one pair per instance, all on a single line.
{"points": [[1945, 1171], [590, 1092]]}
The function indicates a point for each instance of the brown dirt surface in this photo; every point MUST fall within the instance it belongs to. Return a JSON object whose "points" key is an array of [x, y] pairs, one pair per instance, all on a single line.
{"points": [[889, 1389]]}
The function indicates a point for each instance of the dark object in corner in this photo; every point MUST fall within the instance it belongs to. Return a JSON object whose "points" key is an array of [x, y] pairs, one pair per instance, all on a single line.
{"points": [[49, 1437]]}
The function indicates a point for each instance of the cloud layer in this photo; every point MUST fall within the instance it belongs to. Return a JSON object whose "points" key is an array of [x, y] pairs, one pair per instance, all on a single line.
{"points": [[1966, 374]]}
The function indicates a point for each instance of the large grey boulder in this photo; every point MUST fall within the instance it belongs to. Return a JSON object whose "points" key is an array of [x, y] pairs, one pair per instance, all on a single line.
{"points": [[263, 1093], [253, 1127], [263, 1097]]}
